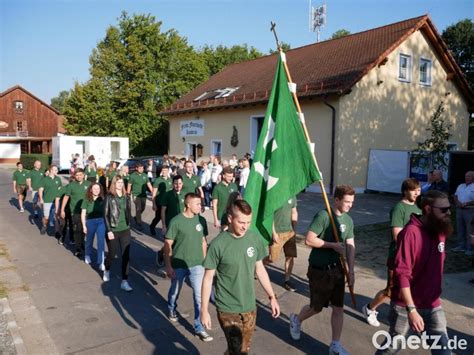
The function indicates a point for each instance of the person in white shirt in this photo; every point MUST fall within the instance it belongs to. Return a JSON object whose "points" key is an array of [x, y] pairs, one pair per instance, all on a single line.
{"points": [[216, 172], [234, 161], [244, 175], [464, 200], [206, 183]]}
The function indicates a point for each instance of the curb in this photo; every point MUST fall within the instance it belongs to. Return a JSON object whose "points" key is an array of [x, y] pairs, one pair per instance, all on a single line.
{"points": [[12, 326]]}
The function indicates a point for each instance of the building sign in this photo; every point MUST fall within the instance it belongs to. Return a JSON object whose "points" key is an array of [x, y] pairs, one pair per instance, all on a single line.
{"points": [[3, 124], [192, 128]]}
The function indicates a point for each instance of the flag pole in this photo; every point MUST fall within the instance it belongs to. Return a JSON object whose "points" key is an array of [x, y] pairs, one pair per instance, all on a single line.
{"points": [[321, 183]]}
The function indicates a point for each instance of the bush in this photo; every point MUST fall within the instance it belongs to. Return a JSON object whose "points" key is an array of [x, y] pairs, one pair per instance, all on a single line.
{"points": [[29, 159]]}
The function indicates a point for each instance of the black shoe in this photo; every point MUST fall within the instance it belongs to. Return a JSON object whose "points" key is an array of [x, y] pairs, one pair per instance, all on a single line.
{"points": [[287, 286], [152, 231], [58, 235], [78, 253], [61, 241]]}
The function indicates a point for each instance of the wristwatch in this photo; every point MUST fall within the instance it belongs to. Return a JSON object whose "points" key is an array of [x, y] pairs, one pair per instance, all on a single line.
{"points": [[410, 308]]}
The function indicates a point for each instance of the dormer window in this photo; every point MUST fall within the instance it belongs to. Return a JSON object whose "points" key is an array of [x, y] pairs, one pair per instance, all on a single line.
{"points": [[216, 94], [18, 106], [425, 72], [404, 69]]}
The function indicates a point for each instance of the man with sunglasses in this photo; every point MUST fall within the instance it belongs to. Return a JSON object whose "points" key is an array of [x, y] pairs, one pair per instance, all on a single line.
{"points": [[419, 264]]}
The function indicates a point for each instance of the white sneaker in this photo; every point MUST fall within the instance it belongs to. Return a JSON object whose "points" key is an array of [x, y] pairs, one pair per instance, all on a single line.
{"points": [[295, 327], [102, 267], [370, 316], [22, 210], [337, 349], [126, 286], [87, 259], [106, 276]]}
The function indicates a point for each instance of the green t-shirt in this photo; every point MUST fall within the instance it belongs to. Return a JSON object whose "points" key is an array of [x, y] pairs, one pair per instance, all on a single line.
{"points": [[190, 184], [91, 172], [174, 204], [110, 175], [282, 216], [138, 182], [36, 176], [94, 208], [321, 225], [234, 260], [163, 185], [187, 234], [122, 222], [51, 188], [399, 217], [20, 176], [76, 193], [221, 192]]}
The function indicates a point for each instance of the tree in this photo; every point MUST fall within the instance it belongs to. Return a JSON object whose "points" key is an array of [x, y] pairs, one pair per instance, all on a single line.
{"points": [[59, 101], [284, 46], [460, 40], [219, 57], [340, 33], [437, 142], [136, 71]]}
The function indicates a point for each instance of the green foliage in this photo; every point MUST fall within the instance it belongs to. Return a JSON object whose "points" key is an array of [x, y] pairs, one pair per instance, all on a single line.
{"points": [[28, 160], [284, 46], [221, 56], [136, 71], [437, 142], [340, 33], [59, 101], [460, 40]]}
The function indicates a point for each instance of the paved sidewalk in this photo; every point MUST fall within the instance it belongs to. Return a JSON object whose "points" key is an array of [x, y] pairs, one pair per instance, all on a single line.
{"points": [[62, 306]]}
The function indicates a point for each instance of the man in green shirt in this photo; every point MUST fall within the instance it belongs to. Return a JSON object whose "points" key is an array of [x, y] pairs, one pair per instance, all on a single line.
{"points": [[284, 237], [173, 203], [399, 217], [19, 178], [325, 271], [184, 251], [76, 192], [137, 186], [48, 197], [220, 195], [161, 186], [237, 256], [34, 183], [191, 182]]}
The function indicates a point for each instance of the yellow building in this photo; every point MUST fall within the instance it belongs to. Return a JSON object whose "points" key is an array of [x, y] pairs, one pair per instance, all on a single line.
{"points": [[375, 89]]}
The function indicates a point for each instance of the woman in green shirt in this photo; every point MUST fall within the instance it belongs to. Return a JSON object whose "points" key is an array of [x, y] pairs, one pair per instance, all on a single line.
{"points": [[111, 171], [91, 172], [117, 224], [92, 217]]}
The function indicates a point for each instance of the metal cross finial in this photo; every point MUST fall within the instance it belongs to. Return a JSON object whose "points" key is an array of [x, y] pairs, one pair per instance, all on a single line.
{"points": [[272, 28]]}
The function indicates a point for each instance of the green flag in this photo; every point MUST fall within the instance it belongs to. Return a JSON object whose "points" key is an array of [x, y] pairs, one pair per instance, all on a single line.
{"points": [[283, 164]]}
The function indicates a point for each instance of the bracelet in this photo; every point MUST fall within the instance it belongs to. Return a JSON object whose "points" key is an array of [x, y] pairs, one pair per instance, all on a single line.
{"points": [[410, 308], [274, 296]]}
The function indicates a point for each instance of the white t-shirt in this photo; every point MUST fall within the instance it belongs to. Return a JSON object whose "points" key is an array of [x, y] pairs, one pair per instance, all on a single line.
{"points": [[244, 175], [465, 193], [205, 177], [215, 172]]}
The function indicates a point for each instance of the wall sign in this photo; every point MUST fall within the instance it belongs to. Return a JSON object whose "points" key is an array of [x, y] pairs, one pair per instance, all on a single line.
{"points": [[192, 128]]}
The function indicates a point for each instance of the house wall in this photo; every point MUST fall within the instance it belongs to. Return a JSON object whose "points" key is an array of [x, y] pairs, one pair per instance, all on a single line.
{"points": [[395, 114]]}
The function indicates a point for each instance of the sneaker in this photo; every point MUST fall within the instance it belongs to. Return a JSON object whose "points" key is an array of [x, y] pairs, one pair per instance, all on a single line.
{"points": [[78, 253], [172, 316], [469, 253], [43, 230], [370, 316], [204, 336], [102, 267], [458, 249], [87, 259], [106, 276], [295, 327], [22, 209], [126, 286], [60, 241], [288, 286], [337, 349]]}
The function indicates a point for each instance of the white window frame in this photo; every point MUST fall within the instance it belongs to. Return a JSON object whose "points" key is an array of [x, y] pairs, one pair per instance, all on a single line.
{"points": [[428, 71], [211, 148], [408, 69]]}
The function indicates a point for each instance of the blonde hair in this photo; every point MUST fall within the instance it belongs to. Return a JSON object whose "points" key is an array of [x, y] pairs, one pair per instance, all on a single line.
{"points": [[113, 187]]}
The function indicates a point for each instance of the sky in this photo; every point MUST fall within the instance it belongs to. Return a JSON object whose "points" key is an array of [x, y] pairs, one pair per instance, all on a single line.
{"points": [[45, 44]]}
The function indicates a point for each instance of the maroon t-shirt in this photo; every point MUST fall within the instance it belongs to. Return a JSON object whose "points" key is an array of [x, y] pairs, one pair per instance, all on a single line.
{"points": [[419, 264]]}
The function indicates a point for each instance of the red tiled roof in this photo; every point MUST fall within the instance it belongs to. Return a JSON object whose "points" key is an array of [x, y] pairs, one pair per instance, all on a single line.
{"points": [[325, 68]]}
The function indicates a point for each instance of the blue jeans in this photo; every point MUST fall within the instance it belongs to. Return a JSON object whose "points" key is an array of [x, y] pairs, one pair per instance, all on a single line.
{"points": [[96, 226], [195, 274], [435, 324]]}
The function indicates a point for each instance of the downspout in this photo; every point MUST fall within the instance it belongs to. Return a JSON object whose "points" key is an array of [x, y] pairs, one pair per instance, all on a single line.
{"points": [[333, 139]]}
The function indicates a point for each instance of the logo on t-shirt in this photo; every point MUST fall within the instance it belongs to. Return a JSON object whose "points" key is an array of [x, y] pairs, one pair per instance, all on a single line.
{"points": [[441, 247], [85, 187], [198, 227], [231, 190], [250, 252], [342, 228], [290, 201]]}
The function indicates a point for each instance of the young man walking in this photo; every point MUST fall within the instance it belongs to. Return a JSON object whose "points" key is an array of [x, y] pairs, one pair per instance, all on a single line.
{"points": [[191, 182], [161, 186], [75, 192], [34, 182], [419, 264], [48, 197], [284, 238], [220, 195], [184, 251], [137, 186], [399, 216], [237, 256], [325, 271], [19, 178]]}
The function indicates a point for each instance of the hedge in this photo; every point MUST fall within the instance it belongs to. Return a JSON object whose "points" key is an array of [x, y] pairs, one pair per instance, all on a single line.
{"points": [[29, 159]]}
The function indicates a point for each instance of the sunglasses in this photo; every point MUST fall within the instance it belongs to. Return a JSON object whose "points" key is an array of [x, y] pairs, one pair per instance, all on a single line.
{"points": [[443, 209]]}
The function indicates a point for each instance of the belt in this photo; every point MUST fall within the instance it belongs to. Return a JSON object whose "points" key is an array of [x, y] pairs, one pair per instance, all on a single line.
{"points": [[327, 267]]}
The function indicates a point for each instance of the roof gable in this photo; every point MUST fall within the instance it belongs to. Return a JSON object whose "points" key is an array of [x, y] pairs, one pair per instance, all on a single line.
{"points": [[325, 68], [18, 87]]}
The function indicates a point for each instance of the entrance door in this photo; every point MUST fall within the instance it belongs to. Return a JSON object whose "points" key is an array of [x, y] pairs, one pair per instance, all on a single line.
{"points": [[114, 150], [191, 149]]}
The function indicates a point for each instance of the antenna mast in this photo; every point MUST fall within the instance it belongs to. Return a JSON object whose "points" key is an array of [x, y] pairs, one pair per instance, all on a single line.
{"points": [[317, 18]]}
